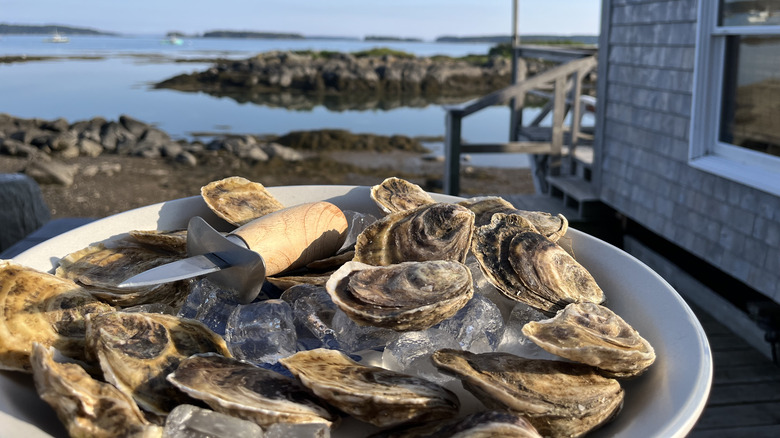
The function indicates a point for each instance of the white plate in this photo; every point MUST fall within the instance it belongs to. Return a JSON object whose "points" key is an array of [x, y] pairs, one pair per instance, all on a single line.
{"points": [[666, 401]]}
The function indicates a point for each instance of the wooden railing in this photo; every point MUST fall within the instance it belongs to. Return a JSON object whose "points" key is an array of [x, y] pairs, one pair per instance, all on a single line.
{"points": [[563, 86]]}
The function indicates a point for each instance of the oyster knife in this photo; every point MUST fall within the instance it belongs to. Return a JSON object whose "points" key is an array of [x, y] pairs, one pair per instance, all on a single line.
{"points": [[281, 241]]}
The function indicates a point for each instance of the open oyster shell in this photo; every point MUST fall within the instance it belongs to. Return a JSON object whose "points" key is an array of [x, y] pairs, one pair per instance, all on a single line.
{"points": [[592, 334], [371, 394], [137, 351], [238, 200], [558, 398], [102, 266], [396, 194], [402, 297], [550, 226], [39, 307], [248, 392], [527, 267], [87, 407], [432, 232]]}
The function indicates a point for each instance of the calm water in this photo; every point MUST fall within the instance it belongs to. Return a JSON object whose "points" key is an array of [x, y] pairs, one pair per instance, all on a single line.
{"points": [[119, 83]]}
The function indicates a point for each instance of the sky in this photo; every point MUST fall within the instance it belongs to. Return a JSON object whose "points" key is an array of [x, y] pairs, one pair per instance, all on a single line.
{"points": [[425, 19]]}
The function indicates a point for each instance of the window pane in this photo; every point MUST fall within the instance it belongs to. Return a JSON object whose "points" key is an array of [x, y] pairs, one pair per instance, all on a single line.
{"points": [[749, 12], [750, 115]]}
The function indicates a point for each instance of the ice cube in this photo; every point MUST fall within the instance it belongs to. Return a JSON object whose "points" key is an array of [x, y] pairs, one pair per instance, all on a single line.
{"points": [[187, 421], [515, 342], [357, 223], [261, 332], [353, 337], [302, 430], [313, 312], [477, 327], [210, 304], [411, 353]]}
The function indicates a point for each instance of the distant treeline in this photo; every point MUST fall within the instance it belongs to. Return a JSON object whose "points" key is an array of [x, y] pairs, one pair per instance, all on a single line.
{"points": [[250, 34], [47, 29], [524, 39], [391, 38]]}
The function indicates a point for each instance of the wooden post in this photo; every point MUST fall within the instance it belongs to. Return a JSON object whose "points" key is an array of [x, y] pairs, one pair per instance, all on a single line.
{"points": [[559, 112], [452, 152]]}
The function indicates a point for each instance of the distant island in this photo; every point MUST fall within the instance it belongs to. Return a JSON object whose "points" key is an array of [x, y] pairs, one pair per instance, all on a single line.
{"points": [[47, 29], [524, 39], [391, 38], [252, 34]]}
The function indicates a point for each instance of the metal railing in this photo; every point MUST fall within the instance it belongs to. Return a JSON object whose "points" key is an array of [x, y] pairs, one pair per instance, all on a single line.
{"points": [[562, 85]]}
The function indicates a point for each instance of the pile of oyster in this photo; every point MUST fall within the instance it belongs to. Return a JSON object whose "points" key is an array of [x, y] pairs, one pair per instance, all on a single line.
{"points": [[420, 310]]}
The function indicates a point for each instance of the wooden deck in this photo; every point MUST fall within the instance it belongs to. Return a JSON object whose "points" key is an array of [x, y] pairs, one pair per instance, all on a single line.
{"points": [[745, 396]]}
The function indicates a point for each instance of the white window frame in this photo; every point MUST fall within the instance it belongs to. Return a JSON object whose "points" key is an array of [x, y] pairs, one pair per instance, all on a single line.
{"points": [[707, 153]]}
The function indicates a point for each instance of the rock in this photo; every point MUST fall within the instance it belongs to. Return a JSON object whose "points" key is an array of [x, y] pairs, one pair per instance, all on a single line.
{"points": [[255, 154], [171, 149], [71, 151], [59, 125], [51, 172], [64, 140], [24, 209], [275, 150], [187, 158], [89, 147], [16, 148], [135, 127]]}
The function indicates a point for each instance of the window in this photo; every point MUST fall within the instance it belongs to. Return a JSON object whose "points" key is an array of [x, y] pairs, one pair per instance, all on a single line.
{"points": [[735, 126]]}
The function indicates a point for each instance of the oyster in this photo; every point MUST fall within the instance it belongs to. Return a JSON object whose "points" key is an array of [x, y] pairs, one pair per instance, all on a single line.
{"points": [[39, 307], [238, 200], [248, 392], [405, 296], [432, 232], [137, 351], [396, 194], [174, 241], [551, 227], [592, 334], [375, 395], [87, 407], [558, 398], [527, 267], [102, 266], [486, 424]]}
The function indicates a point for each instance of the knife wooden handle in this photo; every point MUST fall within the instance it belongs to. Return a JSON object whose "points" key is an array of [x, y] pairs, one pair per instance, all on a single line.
{"points": [[295, 236]]}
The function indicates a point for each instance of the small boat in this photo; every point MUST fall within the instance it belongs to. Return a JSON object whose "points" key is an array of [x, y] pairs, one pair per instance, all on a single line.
{"points": [[174, 40], [57, 38]]}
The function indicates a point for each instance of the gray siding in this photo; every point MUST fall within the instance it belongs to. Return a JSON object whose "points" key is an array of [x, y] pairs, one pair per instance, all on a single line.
{"points": [[644, 171]]}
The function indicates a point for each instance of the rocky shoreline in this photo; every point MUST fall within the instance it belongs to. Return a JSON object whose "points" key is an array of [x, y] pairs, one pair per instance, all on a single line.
{"points": [[356, 79], [97, 167]]}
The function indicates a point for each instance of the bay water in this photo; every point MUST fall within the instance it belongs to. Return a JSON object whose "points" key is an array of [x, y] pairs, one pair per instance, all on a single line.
{"points": [[119, 78]]}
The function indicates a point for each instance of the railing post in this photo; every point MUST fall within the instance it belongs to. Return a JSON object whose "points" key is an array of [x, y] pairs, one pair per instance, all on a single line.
{"points": [[517, 104], [559, 112], [452, 152]]}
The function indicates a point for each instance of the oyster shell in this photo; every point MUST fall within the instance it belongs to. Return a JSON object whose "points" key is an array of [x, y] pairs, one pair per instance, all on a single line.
{"points": [[137, 351], [527, 267], [87, 407], [102, 266], [371, 394], [486, 424], [550, 226], [432, 232], [174, 241], [558, 398], [238, 200], [39, 307], [396, 194], [592, 334], [405, 296], [248, 392]]}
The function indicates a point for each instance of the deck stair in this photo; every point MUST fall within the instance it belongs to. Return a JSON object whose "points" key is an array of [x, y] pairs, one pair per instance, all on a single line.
{"points": [[562, 149]]}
